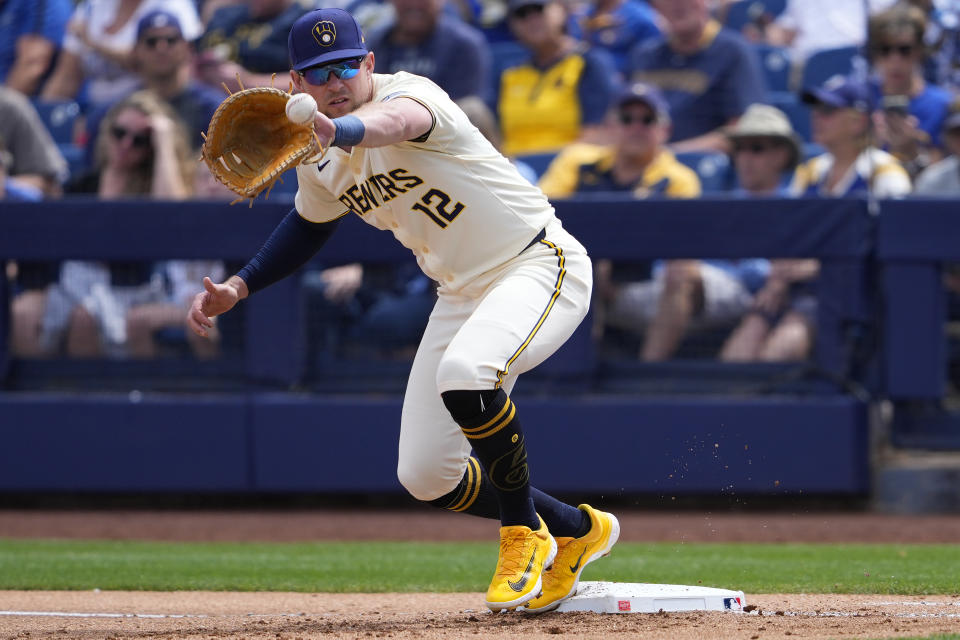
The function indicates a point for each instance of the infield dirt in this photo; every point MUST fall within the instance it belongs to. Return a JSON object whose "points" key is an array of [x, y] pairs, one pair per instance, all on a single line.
{"points": [[196, 615]]}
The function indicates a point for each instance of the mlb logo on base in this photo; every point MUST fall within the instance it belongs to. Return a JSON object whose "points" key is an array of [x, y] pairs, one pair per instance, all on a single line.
{"points": [[732, 604], [623, 605]]}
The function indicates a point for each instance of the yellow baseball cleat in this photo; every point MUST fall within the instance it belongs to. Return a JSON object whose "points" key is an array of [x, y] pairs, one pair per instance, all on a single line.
{"points": [[573, 554], [524, 554]]}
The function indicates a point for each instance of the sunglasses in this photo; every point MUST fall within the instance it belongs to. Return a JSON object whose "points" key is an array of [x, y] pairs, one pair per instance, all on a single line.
{"points": [[153, 41], [139, 140], [905, 50], [527, 10], [755, 147], [344, 69], [630, 118]]}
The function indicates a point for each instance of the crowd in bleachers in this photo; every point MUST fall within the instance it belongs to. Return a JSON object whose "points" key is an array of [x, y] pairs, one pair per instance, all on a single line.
{"points": [[642, 98]]}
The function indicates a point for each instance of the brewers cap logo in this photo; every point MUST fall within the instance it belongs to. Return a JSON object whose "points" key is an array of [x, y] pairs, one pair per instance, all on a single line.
{"points": [[325, 33]]}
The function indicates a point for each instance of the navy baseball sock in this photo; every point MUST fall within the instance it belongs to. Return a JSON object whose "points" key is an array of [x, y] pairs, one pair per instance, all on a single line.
{"points": [[562, 519], [475, 496], [488, 420]]}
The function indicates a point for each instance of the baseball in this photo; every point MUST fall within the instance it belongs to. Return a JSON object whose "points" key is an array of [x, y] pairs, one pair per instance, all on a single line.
{"points": [[301, 108]]}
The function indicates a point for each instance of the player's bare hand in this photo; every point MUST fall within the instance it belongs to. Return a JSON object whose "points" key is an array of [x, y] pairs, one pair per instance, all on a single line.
{"points": [[211, 302]]}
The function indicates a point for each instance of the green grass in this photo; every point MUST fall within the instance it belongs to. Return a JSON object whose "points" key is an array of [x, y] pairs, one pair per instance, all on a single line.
{"points": [[400, 566]]}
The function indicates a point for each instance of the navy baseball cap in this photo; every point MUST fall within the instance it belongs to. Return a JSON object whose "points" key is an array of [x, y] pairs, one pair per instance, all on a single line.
{"points": [[841, 92], [322, 36], [157, 19], [648, 95]]}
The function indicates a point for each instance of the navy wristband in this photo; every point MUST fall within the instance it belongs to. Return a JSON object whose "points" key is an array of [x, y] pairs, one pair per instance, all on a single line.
{"points": [[292, 243], [350, 131]]}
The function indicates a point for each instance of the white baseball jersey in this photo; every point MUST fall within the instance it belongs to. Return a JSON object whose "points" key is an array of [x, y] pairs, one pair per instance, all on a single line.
{"points": [[457, 203], [514, 283]]}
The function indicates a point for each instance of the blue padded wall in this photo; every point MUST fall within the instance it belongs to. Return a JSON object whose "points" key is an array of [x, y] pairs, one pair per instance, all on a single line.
{"points": [[297, 443], [108, 443]]}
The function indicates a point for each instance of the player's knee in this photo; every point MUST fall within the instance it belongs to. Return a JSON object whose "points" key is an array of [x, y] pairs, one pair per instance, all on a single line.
{"points": [[421, 483], [456, 372], [465, 406]]}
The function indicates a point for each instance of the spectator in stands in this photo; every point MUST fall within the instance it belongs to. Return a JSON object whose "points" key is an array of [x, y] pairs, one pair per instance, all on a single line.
{"points": [[427, 40], [95, 63], [146, 322], [784, 325], [780, 325], [852, 164], [637, 162], [163, 60], [942, 178], [766, 151], [682, 297], [807, 26], [27, 280], [682, 294], [141, 151], [30, 36], [561, 93], [31, 167], [615, 26], [913, 110], [36, 161], [709, 74], [115, 309], [245, 43]]}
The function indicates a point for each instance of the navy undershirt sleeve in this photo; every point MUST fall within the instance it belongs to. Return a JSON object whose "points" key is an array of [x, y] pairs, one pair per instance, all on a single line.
{"points": [[292, 243]]}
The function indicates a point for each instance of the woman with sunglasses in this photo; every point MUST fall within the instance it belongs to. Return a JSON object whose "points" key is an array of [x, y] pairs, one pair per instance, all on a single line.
{"points": [[513, 286], [98, 308], [140, 150]]}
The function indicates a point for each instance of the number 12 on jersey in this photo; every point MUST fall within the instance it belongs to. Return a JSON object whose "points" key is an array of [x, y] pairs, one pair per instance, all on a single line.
{"points": [[434, 204]]}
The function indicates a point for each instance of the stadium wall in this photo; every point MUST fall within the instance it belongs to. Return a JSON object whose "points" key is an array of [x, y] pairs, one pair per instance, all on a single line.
{"points": [[880, 287]]}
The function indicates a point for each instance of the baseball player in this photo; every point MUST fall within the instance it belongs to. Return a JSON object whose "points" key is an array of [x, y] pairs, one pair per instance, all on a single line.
{"points": [[513, 287]]}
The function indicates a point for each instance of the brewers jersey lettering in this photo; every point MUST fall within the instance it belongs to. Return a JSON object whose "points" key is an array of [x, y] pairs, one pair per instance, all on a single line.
{"points": [[513, 283], [458, 221]]}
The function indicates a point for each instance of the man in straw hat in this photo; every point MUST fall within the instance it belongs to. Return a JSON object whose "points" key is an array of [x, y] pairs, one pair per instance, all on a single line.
{"points": [[765, 151]]}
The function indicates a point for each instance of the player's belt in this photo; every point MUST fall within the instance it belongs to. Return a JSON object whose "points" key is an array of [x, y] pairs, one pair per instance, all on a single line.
{"points": [[540, 236]]}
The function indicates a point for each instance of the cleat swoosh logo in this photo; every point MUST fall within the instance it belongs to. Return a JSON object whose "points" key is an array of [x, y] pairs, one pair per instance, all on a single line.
{"points": [[522, 582], [573, 568]]}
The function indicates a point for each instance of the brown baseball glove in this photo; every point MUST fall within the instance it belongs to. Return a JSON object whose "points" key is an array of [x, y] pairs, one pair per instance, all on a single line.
{"points": [[250, 141]]}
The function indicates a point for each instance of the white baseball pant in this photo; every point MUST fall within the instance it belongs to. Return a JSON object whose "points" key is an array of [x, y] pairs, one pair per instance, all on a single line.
{"points": [[482, 337]]}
